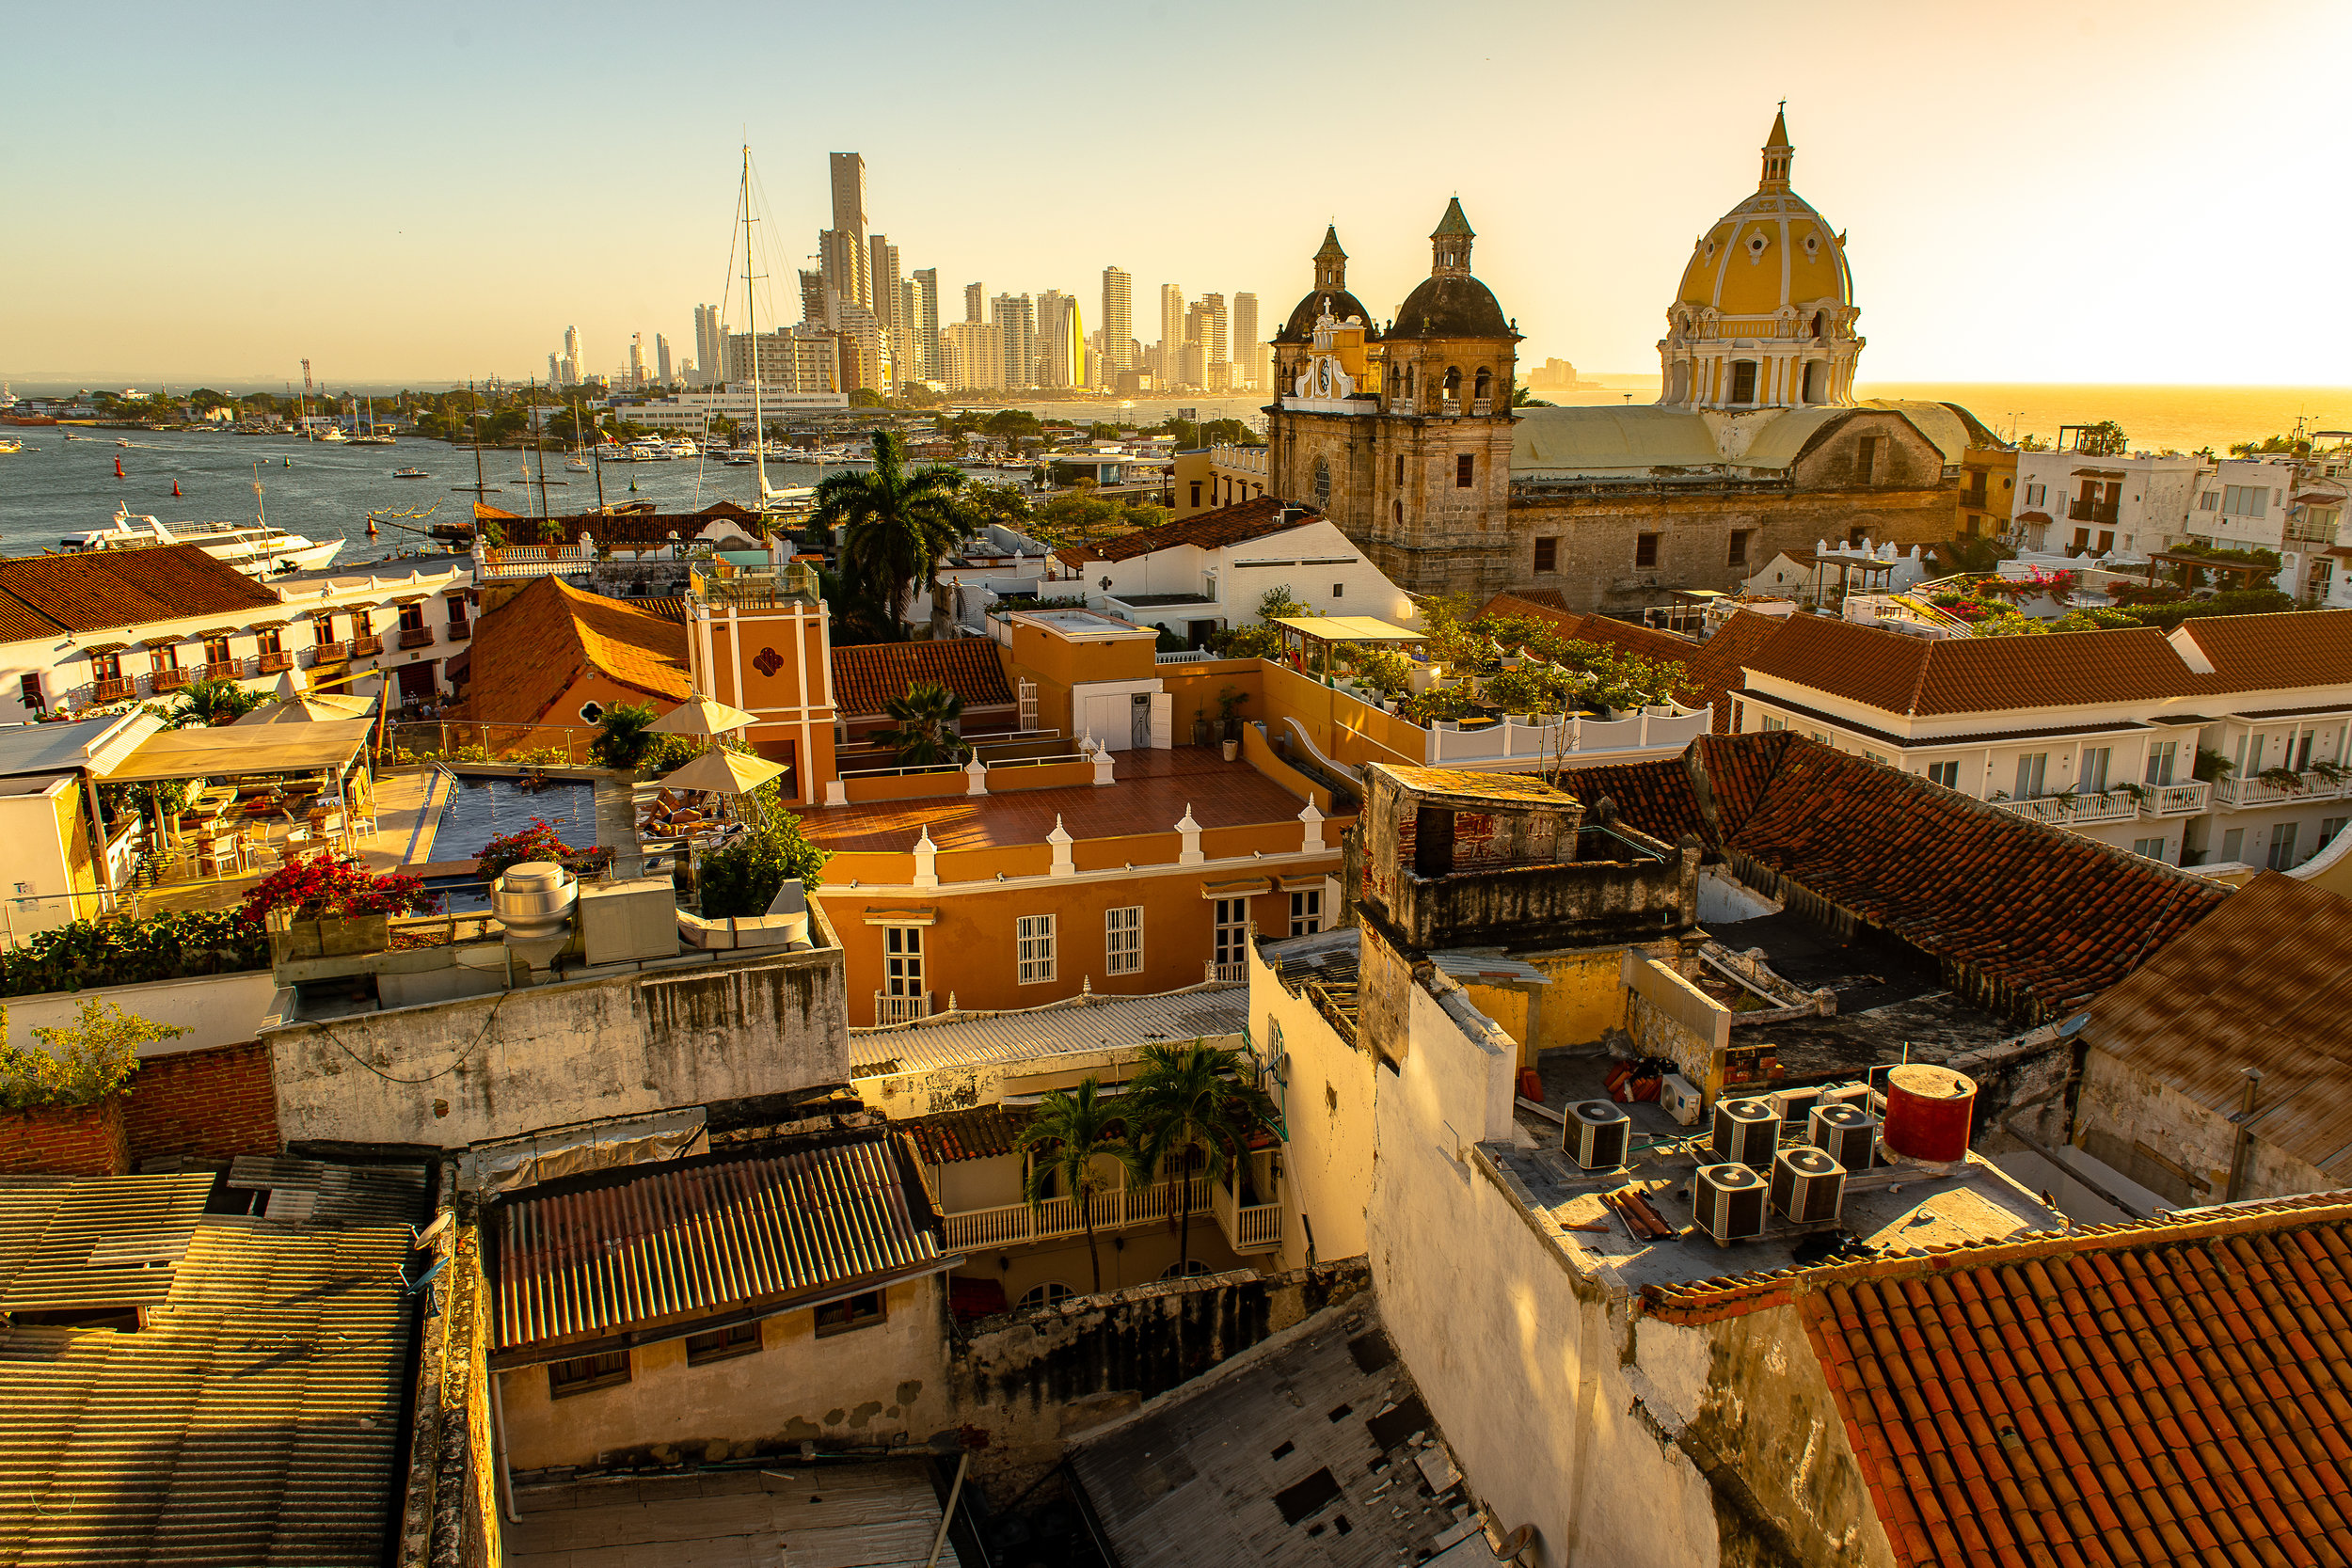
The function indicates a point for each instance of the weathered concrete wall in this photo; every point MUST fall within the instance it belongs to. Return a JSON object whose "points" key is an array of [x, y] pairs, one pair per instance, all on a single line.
{"points": [[450, 1507], [1026, 1382], [2172, 1146], [1668, 1015], [872, 1387], [1326, 1098], [493, 1067], [1575, 904]]}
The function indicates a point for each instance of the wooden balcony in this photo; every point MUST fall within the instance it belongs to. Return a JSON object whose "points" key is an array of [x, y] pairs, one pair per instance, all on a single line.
{"points": [[333, 653], [170, 680], [222, 669], [113, 691], [363, 646], [416, 636], [460, 630], [271, 663]]}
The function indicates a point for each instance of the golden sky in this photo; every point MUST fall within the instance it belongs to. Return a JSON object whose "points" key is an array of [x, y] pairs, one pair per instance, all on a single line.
{"points": [[2044, 192]]}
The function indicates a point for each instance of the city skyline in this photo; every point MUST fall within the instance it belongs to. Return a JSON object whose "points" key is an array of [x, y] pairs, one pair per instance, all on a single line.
{"points": [[1980, 195]]}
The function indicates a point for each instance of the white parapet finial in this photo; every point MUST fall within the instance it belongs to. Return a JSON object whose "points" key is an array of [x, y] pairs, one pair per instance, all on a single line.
{"points": [[1061, 841], [925, 861], [1190, 854], [1314, 819]]}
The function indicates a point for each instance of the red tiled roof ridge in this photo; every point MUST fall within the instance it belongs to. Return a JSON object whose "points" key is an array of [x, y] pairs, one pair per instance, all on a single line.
{"points": [[1222, 526], [1704, 1301]]}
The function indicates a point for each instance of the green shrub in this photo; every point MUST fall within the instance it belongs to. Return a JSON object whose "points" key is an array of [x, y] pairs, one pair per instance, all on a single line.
{"points": [[89, 954], [84, 1063], [743, 878]]}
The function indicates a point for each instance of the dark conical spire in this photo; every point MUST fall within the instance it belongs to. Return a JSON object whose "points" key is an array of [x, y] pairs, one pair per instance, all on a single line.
{"points": [[1332, 261], [1778, 152], [1450, 242]]}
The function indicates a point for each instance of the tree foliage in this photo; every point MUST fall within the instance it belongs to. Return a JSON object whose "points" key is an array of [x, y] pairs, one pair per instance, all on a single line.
{"points": [[624, 735], [82, 1062], [743, 878], [896, 522], [203, 703], [1073, 1134], [1195, 1106], [2104, 439], [923, 734]]}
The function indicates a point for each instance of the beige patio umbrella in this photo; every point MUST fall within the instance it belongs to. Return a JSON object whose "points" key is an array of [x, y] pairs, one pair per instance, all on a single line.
{"points": [[704, 716], [724, 772], [296, 704]]}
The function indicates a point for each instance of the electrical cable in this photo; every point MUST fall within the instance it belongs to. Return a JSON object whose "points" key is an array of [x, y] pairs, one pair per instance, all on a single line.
{"points": [[457, 1062]]}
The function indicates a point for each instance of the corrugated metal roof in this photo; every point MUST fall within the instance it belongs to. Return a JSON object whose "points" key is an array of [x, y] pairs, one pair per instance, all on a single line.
{"points": [[104, 1241], [254, 1418], [1489, 968], [1080, 1023], [681, 1245], [2258, 983]]}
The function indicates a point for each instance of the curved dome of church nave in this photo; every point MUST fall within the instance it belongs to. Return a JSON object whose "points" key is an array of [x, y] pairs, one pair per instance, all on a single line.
{"points": [[1771, 251]]}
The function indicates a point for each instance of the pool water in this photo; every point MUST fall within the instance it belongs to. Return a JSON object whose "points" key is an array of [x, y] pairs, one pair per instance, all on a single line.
{"points": [[480, 810]]}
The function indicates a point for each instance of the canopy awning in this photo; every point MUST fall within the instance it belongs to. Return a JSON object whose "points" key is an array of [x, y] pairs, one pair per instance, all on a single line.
{"points": [[232, 750], [724, 772], [1346, 628]]}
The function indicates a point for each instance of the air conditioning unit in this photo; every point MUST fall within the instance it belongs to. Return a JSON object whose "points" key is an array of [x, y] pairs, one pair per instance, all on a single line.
{"points": [[1847, 1134], [1807, 1185], [1727, 1200], [1680, 1099], [1795, 1104], [1596, 1134], [1746, 1131]]}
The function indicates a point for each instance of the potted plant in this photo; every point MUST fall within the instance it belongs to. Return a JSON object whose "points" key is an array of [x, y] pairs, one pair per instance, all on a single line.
{"points": [[1229, 702], [329, 906]]}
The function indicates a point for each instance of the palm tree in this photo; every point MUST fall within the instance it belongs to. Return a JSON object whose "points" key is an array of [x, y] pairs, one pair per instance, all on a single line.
{"points": [[624, 734], [896, 523], [221, 702], [1073, 1130], [1196, 1096], [925, 732]]}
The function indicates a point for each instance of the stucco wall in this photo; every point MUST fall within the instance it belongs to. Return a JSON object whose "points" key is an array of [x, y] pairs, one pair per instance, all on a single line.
{"points": [[863, 1387], [2151, 1132], [493, 1067], [1326, 1098]]}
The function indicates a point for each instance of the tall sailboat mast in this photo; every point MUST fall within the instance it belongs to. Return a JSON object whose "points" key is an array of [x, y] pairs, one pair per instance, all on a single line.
{"points": [[751, 316]]}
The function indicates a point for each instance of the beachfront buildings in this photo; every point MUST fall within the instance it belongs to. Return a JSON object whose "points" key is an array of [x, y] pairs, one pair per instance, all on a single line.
{"points": [[2222, 742]]}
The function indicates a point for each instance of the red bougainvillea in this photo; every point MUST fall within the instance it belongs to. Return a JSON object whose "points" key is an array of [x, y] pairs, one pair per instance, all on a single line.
{"points": [[329, 884]]}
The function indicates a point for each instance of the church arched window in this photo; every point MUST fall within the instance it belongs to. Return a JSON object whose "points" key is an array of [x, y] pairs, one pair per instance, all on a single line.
{"points": [[1486, 385], [1813, 381], [1408, 383], [1821, 324], [1743, 381], [1453, 382]]}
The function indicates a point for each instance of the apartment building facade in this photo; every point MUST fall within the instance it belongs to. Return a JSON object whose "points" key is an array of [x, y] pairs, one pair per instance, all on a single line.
{"points": [[2222, 742]]}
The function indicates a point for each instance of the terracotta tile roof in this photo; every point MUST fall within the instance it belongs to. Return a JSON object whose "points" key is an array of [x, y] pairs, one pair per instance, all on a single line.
{"points": [[2165, 1393], [527, 653], [2259, 982], [1227, 525], [1913, 676], [867, 678], [2025, 918], [979, 1135], [41, 594], [1718, 668]]}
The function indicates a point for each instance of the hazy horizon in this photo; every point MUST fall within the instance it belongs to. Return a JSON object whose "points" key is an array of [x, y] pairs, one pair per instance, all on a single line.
{"points": [[423, 196]]}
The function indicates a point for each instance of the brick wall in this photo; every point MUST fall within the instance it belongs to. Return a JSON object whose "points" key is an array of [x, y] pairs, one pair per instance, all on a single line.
{"points": [[210, 1105], [65, 1140]]}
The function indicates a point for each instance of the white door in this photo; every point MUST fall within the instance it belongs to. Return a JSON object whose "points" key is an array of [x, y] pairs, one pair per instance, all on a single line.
{"points": [[1106, 719]]}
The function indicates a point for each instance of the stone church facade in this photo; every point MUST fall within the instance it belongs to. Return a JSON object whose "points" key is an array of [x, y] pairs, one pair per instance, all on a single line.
{"points": [[1407, 437]]}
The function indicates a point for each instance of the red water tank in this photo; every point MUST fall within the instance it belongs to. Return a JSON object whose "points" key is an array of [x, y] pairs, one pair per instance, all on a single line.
{"points": [[1927, 1112]]}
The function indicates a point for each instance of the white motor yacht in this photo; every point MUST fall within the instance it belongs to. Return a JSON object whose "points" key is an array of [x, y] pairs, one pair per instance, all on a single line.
{"points": [[256, 549]]}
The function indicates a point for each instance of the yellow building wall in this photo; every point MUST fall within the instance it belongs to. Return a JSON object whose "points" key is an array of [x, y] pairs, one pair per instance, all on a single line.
{"points": [[1057, 663], [862, 1387]]}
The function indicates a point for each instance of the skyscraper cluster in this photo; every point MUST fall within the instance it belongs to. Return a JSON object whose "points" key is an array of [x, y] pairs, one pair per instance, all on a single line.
{"points": [[870, 324]]}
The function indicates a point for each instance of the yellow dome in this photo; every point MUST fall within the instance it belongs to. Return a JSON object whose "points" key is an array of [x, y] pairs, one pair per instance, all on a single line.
{"points": [[1770, 252]]}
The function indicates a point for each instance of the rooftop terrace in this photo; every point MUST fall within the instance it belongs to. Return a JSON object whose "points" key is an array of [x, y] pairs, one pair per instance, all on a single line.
{"points": [[1153, 791]]}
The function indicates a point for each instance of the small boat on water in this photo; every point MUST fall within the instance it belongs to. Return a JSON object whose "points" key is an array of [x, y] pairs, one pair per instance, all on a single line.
{"points": [[410, 473], [577, 465], [8, 446], [333, 434], [122, 440], [256, 549]]}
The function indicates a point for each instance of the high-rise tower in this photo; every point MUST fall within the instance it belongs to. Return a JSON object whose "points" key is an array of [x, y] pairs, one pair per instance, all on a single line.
{"points": [[709, 353], [854, 282], [1248, 353], [1118, 289], [661, 358], [926, 322]]}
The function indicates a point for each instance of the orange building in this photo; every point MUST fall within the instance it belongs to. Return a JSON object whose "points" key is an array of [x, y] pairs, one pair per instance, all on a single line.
{"points": [[547, 662], [755, 639]]}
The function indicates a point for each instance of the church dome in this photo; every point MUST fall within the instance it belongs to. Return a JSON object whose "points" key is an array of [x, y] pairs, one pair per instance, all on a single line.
{"points": [[1328, 296], [1449, 302], [1772, 252]]}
